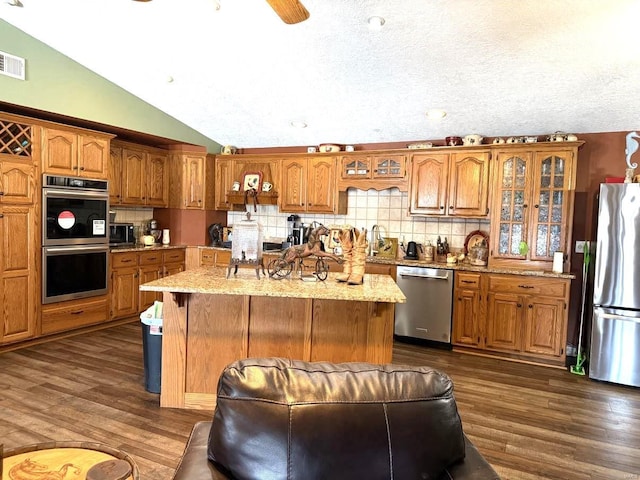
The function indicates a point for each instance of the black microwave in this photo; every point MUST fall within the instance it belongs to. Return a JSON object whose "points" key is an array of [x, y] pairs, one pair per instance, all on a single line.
{"points": [[121, 234]]}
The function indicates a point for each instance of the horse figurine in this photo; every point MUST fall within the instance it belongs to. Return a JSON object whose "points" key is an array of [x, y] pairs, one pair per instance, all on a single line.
{"points": [[282, 266], [314, 246]]}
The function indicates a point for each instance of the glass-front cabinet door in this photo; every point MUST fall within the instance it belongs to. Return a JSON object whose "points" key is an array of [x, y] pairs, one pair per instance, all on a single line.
{"points": [[513, 192], [532, 205], [389, 166], [549, 213]]}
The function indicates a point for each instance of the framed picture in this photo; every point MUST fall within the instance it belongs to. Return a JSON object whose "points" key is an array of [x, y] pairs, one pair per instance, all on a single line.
{"points": [[388, 248], [252, 180]]}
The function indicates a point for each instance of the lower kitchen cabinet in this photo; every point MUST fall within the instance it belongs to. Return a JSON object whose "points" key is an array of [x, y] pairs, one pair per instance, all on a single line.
{"points": [[515, 316], [131, 269], [466, 310], [64, 316]]}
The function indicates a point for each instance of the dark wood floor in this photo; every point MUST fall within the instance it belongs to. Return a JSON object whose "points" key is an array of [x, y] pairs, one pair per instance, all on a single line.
{"points": [[530, 422]]}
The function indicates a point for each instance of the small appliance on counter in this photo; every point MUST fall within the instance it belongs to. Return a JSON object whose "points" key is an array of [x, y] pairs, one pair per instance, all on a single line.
{"points": [[121, 234], [411, 253]]}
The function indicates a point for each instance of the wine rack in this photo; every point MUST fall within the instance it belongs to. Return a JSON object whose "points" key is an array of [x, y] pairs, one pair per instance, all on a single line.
{"points": [[15, 139]]}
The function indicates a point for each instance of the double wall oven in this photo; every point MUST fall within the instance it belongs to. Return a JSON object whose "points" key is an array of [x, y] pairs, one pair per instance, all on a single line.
{"points": [[75, 238]]}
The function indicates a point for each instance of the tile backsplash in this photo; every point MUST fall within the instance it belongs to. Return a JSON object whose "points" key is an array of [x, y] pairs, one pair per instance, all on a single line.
{"points": [[366, 208]]}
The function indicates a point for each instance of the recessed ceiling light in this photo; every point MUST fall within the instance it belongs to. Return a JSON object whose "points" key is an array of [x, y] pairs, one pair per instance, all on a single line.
{"points": [[436, 113], [298, 124], [375, 22]]}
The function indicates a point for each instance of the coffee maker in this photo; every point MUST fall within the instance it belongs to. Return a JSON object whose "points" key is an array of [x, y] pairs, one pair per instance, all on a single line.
{"points": [[295, 230]]}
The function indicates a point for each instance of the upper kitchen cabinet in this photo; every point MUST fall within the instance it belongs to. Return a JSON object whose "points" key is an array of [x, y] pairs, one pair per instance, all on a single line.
{"points": [[378, 171], [533, 205], [139, 175], [189, 188], [18, 176], [79, 153], [454, 183], [309, 185], [224, 178]]}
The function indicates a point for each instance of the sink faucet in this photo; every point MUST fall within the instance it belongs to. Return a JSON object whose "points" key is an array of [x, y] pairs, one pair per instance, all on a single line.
{"points": [[375, 236]]}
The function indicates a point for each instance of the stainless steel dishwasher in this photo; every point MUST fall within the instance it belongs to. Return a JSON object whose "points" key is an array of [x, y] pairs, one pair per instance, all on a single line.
{"points": [[427, 312]]}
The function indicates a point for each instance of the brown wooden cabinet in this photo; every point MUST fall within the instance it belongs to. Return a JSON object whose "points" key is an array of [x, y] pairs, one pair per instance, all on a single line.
{"points": [[65, 316], [377, 171], [131, 269], [309, 185], [139, 176], [19, 272], [215, 257], [75, 153], [192, 184], [466, 310], [223, 182], [533, 190], [518, 317], [450, 183], [19, 234]]}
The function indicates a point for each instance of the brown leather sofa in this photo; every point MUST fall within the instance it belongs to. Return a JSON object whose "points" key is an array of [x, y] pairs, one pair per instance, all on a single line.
{"points": [[293, 420]]}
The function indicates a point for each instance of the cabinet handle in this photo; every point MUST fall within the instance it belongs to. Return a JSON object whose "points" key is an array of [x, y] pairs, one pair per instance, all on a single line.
{"points": [[128, 260], [1, 193], [536, 206], [441, 207], [467, 281], [530, 306], [77, 312], [525, 286], [81, 168], [1, 215], [519, 305], [450, 207], [525, 205]]}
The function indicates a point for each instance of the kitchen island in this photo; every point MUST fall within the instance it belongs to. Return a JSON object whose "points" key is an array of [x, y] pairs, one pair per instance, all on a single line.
{"points": [[211, 321]]}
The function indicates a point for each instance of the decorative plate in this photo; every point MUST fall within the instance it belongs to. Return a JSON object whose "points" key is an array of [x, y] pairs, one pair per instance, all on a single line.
{"points": [[473, 238]]}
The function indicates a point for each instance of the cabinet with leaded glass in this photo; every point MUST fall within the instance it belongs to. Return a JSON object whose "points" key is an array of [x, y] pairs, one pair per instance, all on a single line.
{"points": [[533, 190]]}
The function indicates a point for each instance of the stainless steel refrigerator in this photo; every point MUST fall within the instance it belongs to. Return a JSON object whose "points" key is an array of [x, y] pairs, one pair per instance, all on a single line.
{"points": [[615, 328]]}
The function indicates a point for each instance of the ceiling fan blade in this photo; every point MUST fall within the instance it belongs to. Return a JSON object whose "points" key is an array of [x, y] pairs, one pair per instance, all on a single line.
{"points": [[290, 11]]}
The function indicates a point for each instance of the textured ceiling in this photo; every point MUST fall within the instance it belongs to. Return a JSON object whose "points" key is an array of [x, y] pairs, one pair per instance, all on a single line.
{"points": [[241, 76]]}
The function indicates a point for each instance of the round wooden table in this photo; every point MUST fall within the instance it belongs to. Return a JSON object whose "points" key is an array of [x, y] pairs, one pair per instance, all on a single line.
{"points": [[62, 461]]}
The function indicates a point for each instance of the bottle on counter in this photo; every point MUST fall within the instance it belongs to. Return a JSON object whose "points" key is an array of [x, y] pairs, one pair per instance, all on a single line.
{"points": [[428, 251]]}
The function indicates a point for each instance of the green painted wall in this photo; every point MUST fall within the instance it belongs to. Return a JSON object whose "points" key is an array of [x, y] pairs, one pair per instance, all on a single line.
{"points": [[55, 83]]}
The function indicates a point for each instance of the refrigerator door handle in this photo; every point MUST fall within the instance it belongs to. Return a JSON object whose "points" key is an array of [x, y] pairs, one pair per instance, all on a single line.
{"points": [[619, 317]]}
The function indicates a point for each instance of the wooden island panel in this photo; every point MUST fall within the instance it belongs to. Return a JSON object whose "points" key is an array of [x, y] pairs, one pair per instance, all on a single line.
{"points": [[209, 323]]}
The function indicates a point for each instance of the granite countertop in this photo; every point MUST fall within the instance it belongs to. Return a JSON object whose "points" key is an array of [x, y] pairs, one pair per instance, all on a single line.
{"points": [[465, 267], [376, 288], [143, 248]]}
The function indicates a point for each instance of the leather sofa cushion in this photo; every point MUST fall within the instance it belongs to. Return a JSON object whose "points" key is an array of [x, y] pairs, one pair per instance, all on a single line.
{"points": [[286, 419]]}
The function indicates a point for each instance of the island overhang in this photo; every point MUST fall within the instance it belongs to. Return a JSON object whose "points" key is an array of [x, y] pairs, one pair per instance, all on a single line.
{"points": [[211, 321]]}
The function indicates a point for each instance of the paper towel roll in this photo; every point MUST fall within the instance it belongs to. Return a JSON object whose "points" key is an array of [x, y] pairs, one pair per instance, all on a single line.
{"points": [[558, 262]]}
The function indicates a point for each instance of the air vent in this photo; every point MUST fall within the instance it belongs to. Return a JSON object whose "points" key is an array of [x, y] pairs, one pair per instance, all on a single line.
{"points": [[11, 65]]}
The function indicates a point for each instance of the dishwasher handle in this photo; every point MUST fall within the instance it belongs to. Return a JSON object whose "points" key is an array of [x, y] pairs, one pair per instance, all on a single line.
{"points": [[435, 277]]}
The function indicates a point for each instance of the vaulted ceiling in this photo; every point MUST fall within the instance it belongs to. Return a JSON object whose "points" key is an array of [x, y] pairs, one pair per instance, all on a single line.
{"points": [[232, 70]]}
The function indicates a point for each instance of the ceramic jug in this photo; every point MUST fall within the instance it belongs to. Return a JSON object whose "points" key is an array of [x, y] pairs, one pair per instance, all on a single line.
{"points": [[473, 139]]}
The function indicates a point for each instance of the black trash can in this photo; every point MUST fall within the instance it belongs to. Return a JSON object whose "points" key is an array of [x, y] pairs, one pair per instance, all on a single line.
{"points": [[152, 353]]}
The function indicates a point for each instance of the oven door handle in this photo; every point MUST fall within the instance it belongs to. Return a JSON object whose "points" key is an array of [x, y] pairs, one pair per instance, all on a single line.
{"points": [[48, 192], [77, 248]]}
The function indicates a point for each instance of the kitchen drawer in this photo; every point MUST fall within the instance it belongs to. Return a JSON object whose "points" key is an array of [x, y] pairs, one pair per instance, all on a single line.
{"points": [[128, 259], [467, 280], [207, 257], [152, 257], [550, 287], [175, 255], [60, 317]]}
